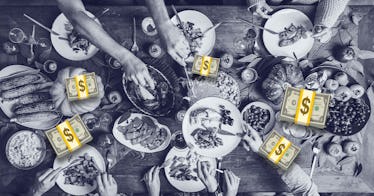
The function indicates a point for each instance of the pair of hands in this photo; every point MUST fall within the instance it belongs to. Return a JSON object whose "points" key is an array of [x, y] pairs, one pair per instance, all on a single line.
{"points": [[320, 33], [177, 46], [206, 173], [107, 186]]}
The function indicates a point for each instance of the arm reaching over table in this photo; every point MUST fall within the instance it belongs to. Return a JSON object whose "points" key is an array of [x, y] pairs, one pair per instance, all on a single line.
{"points": [[295, 178], [328, 12], [152, 181], [44, 182], [176, 43], [134, 68]]}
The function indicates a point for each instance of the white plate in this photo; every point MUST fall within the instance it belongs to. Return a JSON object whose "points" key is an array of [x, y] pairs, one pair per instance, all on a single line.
{"points": [[203, 22], [121, 138], [262, 105], [190, 185], [278, 21], [63, 47], [229, 142], [6, 106], [65, 161]]}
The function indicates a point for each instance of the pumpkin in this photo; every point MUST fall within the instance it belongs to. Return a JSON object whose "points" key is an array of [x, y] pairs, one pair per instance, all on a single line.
{"points": [[60, 99], [281, 76]]}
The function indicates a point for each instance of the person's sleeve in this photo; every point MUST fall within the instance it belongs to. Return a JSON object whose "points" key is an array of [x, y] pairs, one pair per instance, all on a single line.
{"points": [[299, 182], [252, 3], [328, 12]]}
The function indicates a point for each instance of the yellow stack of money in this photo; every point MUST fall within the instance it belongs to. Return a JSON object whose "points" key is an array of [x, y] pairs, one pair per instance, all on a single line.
{"points": [[68, 136], [305, 107], [205, 66], [279, 150], [82, 87]]}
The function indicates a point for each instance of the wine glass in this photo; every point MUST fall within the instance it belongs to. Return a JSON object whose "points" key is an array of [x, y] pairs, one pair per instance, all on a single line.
{"points": [[17, 36]]}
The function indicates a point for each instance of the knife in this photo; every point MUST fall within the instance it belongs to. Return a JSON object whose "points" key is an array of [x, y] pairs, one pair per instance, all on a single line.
{"points": [[258, 26], [223, 132]]}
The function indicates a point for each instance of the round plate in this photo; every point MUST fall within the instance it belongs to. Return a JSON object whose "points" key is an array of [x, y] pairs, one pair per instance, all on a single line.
{"points": [[42, 149], [364, 98], [188, 185], [121, 138], [278, 21], [6, 106], [230, 142], [65, 161], [130, 90], [62, 46], [203, 22], [269, 126]]}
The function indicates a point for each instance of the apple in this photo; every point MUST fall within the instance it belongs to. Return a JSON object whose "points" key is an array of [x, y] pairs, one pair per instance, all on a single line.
{"points": [[342, 78], [332, 84], [357, 91]]}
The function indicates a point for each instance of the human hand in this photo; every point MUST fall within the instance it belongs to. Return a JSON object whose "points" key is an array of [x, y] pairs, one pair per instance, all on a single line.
{"points": [[253, 141], [106, 184], [262, 9], [207, 174], [135, 70], [45, 181], [176, 43], [231, 183], [322, 34], [152, 181]]}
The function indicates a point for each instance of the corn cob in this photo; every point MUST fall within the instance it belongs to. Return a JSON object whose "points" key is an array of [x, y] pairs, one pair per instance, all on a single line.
{"points": [[35, 107], [23, 90], [30, 98], [20, 81], [37, 116]]}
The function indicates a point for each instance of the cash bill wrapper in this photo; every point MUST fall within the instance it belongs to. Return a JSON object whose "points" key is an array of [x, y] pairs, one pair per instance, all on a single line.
{"points": [[278, 150], [205, 66], [68, 136], [305, 107], [82, 87]]}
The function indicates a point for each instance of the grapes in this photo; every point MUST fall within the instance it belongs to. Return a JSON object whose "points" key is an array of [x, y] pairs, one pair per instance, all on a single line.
{"points": [[256, 117], [345, 117]]}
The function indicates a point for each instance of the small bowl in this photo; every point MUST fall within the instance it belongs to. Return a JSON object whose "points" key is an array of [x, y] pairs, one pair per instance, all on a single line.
{"points": [[38, 162]]}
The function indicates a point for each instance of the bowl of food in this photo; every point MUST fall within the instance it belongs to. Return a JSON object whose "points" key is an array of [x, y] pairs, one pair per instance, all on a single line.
{"points": [[258, 116], [69, 43], [293, 38], [25, 150], [159, 101], [79, 170], [195, 23]]}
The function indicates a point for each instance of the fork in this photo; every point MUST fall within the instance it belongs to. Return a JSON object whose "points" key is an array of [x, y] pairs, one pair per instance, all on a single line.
{"points": [[134, 47]]}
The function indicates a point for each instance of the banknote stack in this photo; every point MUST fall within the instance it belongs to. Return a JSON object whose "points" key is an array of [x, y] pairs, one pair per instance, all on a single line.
{"points": [[82, 87], [305, 107], [205, 66], [278, 150], [68, 136]]}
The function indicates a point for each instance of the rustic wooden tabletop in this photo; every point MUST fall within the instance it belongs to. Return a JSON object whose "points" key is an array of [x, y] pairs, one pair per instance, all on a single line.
{"points": [[255, 174]]}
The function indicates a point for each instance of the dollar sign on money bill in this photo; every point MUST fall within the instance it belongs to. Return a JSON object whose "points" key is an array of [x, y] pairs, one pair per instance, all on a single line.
{"points": [[66, 138], [69, 136], [280, 149], [317, 112], [82, 88], [305, 108], [205, 66]]}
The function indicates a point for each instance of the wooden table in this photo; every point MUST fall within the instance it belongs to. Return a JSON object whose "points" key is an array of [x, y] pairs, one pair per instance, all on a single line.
{"points": [[255, 174]]}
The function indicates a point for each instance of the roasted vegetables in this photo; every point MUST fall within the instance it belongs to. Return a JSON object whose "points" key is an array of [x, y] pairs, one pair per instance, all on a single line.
{"points": [[183, 169], [82, 174]]}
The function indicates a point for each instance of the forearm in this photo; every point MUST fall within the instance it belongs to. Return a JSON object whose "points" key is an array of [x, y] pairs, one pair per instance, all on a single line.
{"points": [[298, 181], [97, 35], [328, 12], [159, 14]]}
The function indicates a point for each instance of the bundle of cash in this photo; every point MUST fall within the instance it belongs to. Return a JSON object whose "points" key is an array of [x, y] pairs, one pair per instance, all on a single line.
{"points": [[68, 136], [205, 66], [305, 107], [279, 150], [82, 87]]}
